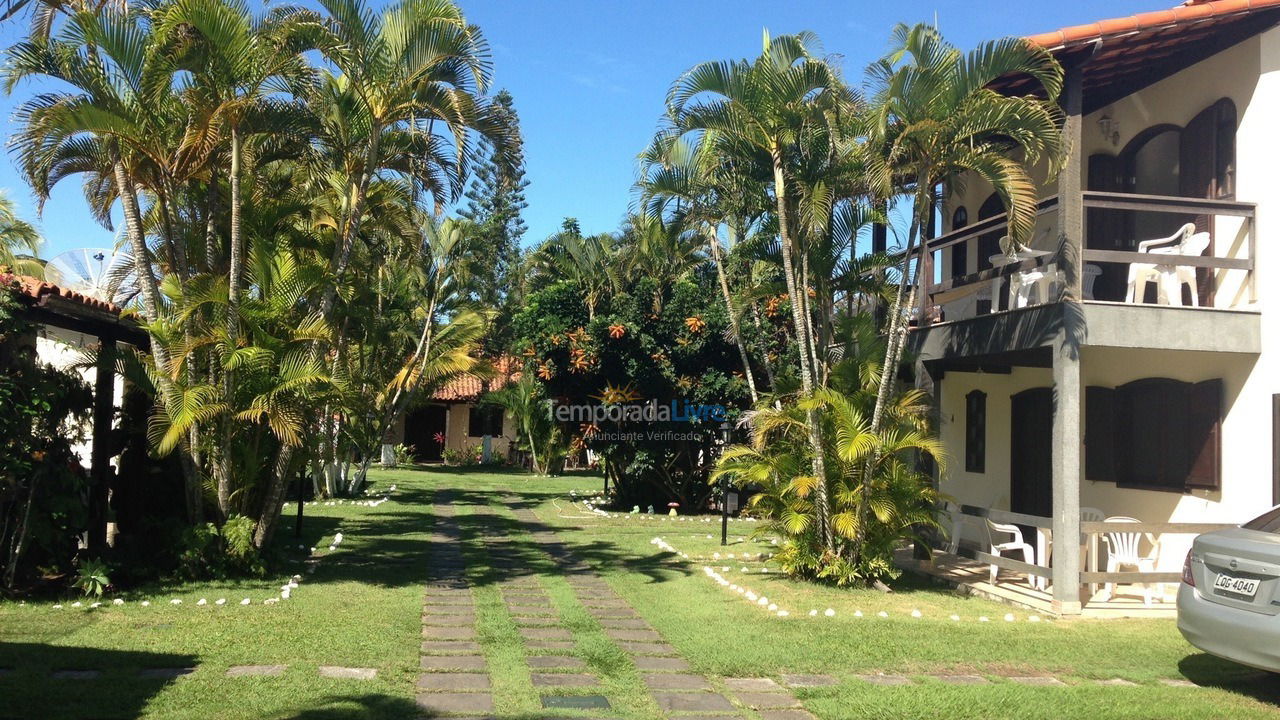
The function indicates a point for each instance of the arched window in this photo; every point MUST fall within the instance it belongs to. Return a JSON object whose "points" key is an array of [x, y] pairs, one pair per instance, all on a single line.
{"points": [[959, 253]]}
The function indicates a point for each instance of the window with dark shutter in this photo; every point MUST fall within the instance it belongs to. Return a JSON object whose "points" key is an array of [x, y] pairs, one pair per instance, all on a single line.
{"points": [[484, 420], [975, 432], [1099, 433], [1204, 433], [1155, 433]]}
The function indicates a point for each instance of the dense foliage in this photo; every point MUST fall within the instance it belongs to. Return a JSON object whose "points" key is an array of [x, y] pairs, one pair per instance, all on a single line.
{"points": [[279, 177], [43, 508], [645, 341]]}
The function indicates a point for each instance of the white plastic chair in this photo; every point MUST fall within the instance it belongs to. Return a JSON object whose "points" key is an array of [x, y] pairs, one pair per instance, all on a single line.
{"points": [[1016, 544], [1168, 277], [1123, 551], [1088, 277], [1090, 544]]}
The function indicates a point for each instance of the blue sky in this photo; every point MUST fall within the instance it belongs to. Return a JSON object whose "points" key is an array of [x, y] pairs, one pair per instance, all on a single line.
{"points": [[589, 78]]}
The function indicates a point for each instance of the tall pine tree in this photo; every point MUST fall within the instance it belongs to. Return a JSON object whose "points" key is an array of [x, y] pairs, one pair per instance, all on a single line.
{"points": [[495, 200]]}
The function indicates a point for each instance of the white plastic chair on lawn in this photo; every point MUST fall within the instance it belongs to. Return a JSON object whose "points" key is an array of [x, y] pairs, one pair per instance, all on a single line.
{"points": [[1015, 544], [1169, 277], [1123, 550]]}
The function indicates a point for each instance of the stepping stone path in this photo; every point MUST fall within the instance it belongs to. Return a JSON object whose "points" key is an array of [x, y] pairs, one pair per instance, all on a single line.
{"points": [[255, 671], [347, 673], [673, 687], [456, 681]]}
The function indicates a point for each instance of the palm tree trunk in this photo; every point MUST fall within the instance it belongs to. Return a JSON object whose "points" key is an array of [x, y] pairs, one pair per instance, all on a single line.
{"points": [[210, 225], [896, 336], [714, 243], [818, 462], [151, 303], [346, 240], [233, 321]]}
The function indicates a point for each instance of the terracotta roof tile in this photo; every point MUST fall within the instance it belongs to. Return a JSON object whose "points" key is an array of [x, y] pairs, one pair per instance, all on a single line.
{"points": [[467, 388], [1189, 12], [37, 289]]}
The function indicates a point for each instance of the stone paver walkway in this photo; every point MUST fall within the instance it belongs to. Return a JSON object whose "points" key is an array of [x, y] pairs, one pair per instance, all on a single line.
{"points": [[455, 681], [673, 687]]}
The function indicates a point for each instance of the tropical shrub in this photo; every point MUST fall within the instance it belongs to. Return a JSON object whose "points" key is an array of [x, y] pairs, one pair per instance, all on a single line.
{"points": [[91, 578], [536, 433], [881, 496], [643, 341], [463, 457], [209, 551], [406, 455]]}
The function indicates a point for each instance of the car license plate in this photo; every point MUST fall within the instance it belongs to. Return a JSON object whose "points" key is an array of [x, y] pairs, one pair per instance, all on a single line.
{"points": [[1247, 587]]}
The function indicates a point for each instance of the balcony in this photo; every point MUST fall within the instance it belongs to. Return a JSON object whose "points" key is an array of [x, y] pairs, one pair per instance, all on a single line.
{"points": [[1017, 303]]}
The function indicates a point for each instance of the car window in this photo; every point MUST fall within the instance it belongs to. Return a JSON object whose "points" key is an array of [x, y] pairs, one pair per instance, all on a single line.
{"points": [[1269, 522]]}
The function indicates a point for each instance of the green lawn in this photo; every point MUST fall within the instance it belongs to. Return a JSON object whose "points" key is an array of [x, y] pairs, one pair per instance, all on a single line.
{"points": [[361, 608]]}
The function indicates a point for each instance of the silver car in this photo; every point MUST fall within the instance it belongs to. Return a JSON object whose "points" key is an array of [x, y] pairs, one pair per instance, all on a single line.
{"points": [[1230, 594]]}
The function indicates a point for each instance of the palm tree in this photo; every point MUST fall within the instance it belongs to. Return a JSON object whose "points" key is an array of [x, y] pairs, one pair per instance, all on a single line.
{"points": [[591, 263], [767, 104], [935, 118], [706, 193], [19, 241], [879, 496], [237, 63], [119, 119], [417, 64], [660, 250]]}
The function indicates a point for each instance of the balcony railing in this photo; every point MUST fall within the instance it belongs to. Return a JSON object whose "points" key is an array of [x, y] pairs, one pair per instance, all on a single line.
{"points": [[1117, 222]]}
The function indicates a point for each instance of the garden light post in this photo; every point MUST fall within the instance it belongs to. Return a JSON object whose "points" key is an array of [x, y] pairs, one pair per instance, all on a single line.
{"points": [[724, 488], [297, 528]]}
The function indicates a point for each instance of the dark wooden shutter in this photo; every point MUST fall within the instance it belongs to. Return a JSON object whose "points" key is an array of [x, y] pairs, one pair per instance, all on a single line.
{"points": [[1207, 157], [1152, 433], [1204, 435], [1100, 433], [975, 432], [959, 253], [475, 421], [495, 420], [1105, 229], [989, 243]]}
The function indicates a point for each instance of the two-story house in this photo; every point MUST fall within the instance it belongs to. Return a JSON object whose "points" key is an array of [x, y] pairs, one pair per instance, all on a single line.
{"points": [[1098, 375]]}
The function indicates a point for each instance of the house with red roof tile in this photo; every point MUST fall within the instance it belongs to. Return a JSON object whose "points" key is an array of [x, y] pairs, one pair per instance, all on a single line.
{"points": [[456, 417], [1122, 365]]}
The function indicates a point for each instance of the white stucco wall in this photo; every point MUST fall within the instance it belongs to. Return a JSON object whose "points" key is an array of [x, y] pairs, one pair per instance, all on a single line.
{"points": [[1246, 442], [459, 422], [62, 349], [1248, 74]]}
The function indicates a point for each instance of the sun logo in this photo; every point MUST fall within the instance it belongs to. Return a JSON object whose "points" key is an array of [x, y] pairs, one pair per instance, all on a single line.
{"points": [[611, 395]]}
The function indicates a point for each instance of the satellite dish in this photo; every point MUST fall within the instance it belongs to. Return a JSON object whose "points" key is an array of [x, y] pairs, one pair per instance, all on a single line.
{"points": [[100, 273]]}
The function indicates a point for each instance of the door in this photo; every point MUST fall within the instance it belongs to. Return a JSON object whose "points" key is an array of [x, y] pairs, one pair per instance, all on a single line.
{"points": [[988, 245], [1105, 229], [420, 429], [1031, 456], [1208, 155]]}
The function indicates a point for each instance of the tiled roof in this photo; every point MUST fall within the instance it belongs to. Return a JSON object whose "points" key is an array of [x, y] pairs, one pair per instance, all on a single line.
{"points": [[37, 289], [1123, 55], [1190, 12], [467, 387]]}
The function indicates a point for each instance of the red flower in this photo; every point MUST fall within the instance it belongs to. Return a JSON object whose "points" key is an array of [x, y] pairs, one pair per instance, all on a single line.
{"points": [[439, 438]]}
